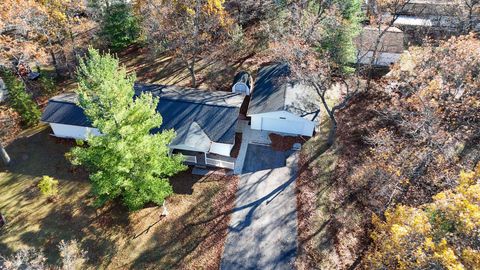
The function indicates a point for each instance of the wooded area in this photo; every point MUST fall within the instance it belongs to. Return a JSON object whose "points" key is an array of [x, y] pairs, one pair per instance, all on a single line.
{"points": [[390, 179]]}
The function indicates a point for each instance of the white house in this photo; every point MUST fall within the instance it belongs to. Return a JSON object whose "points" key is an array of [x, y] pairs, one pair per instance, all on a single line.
{"points": [[282, 106], [204, 121]]}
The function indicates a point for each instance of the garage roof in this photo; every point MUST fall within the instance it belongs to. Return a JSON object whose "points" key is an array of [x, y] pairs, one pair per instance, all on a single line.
{"points": [[273, 91], [215, 113]]}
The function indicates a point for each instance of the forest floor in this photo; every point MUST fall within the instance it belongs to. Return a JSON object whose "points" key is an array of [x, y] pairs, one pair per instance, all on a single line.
{"points": [[212, 73], [322, 242], [191, 236]]}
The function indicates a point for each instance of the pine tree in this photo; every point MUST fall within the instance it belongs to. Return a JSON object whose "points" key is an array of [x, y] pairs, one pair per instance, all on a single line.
{"points": [[20, 99], [120, 26], [127, 161], [340, 32]]}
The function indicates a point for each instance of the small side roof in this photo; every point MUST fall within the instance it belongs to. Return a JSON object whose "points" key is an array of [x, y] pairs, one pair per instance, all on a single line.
{"points": [[67, 113], [273, 91]]}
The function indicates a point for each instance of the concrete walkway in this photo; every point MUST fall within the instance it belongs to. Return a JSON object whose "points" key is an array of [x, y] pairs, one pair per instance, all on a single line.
{"points": [[263, 228], [248, 136]]}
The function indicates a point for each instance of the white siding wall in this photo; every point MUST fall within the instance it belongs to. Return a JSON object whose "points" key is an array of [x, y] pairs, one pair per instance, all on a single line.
{"points": [[74, 132], [275, 119], [223, 149]]}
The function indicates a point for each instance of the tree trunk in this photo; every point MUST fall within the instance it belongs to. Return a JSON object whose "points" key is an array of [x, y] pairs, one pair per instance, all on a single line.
{"points": [[470, 19], [4, 155], [321, 91], [55, 64], [331, 115], [196, 32], [191, 69]]}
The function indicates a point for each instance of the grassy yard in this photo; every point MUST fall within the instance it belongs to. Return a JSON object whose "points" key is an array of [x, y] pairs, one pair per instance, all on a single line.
{"points": [[191, 237]]}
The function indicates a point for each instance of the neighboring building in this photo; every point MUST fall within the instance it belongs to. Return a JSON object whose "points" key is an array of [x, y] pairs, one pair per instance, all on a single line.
{"points": [[437, 19], [389, 49], [204, 121], [280, 105]]}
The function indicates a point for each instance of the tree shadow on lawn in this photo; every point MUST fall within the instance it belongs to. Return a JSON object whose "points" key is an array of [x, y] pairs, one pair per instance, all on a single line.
{"points": [[6, 251], [214, 74], [71, 216], [183, 182], [101, 232], [41, 154], [196, 236], [94, 229]]}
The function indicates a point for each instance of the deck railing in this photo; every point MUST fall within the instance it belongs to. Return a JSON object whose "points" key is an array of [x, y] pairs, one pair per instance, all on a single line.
{"points": [[220, 163], [190, 159]]}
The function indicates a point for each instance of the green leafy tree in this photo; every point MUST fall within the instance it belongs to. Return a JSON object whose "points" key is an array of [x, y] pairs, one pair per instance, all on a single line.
{"points": [[20, 100], [120, 26], [127, 161]]}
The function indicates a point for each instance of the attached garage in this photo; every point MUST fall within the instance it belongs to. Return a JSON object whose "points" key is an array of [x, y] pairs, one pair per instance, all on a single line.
{"points": [[282, 122], [279, 105]]}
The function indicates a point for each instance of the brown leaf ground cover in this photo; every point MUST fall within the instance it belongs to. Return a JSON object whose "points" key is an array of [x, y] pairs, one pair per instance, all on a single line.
{"points": [[339, 189], [9, 124], [190, 237], [327, 238]]}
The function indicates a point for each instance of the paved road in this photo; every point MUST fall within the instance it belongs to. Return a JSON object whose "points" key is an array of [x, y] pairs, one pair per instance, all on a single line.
{"points": [[263, 229]]}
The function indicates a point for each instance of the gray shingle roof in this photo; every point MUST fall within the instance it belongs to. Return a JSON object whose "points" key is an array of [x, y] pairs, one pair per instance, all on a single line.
{"points": [[215, 112], [66, 113], [273, 91], [269, 89]]}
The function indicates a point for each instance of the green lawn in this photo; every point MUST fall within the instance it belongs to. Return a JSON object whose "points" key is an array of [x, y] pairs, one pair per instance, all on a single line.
{"points": [[190, 237]]}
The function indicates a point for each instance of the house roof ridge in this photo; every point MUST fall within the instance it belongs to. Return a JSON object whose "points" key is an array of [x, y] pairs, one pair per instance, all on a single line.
{"points": [[163, 98], [200, 103]]}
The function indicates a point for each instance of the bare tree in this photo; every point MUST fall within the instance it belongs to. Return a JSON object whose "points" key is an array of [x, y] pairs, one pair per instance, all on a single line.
{"points": [[73, 257], [384, 14], [28, 259], [189, 29]]}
